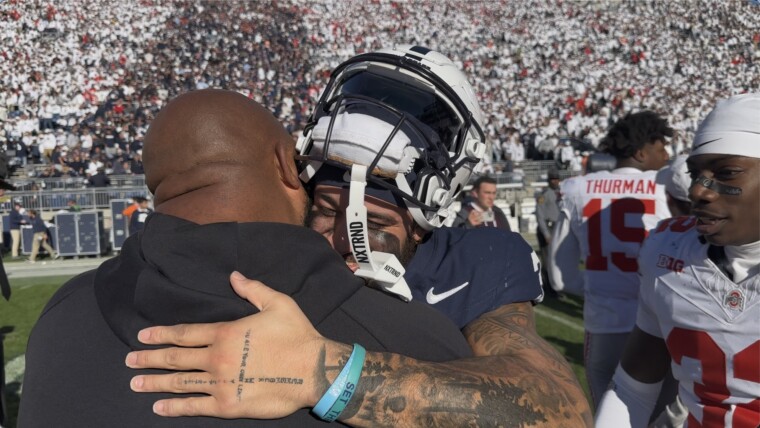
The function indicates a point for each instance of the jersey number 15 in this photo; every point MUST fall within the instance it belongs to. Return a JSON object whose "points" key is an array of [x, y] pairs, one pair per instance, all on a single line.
{"points": [[618, 210]]}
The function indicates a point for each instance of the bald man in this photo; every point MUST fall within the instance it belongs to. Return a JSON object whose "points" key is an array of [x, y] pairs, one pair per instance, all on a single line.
{"points": [[227, 198]]}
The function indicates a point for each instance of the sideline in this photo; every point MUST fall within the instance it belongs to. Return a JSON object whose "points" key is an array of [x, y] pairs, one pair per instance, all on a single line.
{"points": [[14, 370], [562, 320]]}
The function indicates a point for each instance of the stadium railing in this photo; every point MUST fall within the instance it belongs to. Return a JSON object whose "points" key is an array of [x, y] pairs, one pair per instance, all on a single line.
{"points": [[528, 172], [57, 199], [28, 184], [53, 194]]}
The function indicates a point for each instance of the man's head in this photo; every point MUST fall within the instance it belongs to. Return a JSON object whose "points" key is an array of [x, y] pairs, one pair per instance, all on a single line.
{"points": [[484, 192], [725, 168], [675, 178], [141, 202], [215, 145], [553, 179], [638, 141]]}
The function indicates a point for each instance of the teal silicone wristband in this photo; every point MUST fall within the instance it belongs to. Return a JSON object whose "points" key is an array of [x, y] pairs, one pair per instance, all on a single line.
{"points": [[336, 389], [354, 373]]}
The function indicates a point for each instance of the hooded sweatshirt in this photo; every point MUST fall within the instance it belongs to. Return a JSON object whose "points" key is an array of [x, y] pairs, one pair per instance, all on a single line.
{"points": [[176, 271]]}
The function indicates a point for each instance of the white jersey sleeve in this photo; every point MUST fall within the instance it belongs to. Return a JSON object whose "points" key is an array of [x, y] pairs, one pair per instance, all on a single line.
{"points": [[564, 258]]}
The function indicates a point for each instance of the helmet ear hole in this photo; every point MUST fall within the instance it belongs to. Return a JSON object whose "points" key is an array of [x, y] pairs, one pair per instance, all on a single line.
{"points": [[432, 190], [475, 149]]}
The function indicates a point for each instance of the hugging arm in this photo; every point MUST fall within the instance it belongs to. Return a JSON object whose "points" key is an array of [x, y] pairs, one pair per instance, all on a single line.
{"points": [[516, 377]]}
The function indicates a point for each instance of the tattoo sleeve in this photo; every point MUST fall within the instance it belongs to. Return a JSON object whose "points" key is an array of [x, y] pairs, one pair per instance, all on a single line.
{"points": [[516, 380]]}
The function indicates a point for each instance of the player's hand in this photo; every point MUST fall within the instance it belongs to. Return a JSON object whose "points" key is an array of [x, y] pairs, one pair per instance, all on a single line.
{"points": [[261, 366], [475, 218]]}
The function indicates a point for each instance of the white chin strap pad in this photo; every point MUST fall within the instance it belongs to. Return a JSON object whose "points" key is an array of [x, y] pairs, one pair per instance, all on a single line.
{"points": [[382, 268]]}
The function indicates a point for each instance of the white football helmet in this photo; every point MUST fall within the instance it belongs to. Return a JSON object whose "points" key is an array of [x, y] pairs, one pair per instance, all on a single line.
{"points": [[409, 115]]}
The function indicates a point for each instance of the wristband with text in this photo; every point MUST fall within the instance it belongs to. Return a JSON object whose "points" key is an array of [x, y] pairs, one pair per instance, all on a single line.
{"points": [[335, 399]]}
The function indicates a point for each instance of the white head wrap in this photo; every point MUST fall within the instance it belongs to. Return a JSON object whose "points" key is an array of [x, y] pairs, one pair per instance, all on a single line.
{"points": [[732, 128]]}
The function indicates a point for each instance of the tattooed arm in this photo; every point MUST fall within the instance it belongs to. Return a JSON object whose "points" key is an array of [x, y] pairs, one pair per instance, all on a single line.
{"points": [[526, 383], [518, 380]]}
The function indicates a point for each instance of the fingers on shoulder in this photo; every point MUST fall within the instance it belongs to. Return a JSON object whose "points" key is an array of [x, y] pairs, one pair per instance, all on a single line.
{"points": [[193, 406]]}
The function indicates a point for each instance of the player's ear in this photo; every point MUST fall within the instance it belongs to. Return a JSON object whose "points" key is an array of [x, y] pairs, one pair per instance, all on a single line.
{"points": [[286, 166], [418, 233], [640, 156]]}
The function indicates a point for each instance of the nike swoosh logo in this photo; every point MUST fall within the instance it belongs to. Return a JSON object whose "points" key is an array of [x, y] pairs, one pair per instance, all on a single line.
{"points": [[707, 142], [433, 298]]}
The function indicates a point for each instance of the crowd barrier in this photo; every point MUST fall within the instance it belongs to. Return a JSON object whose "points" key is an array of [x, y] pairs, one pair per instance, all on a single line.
{"points": [[94, 198], [58, 183]]}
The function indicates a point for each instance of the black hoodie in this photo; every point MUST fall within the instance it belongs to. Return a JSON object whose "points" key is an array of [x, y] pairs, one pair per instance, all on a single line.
{"points": [[175, 272]]}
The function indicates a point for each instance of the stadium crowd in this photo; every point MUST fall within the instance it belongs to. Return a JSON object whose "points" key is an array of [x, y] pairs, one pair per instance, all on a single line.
{"points": [[80, 81]]}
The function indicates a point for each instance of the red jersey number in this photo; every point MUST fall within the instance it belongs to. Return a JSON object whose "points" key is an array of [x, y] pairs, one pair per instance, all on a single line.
{"points": [[618, 209], [713, 391]]}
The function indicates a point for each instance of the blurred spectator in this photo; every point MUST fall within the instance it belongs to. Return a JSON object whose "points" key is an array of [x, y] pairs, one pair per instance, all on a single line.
{"points": [[139, 215], [99, 179], [40, 237], [547, 214], [17, 219], [73, 206], [481, 211]]}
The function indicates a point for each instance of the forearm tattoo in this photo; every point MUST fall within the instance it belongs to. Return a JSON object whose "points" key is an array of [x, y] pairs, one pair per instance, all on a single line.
{"points": [[524, 383]]}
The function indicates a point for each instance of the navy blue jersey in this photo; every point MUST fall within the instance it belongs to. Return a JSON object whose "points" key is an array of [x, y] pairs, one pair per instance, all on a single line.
{"points": [[465, 273]]}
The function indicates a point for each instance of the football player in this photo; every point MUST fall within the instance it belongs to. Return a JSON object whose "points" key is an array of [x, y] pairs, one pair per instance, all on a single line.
{"points": [[603, 220], [675, 178], [391, 143], [698, 309]]}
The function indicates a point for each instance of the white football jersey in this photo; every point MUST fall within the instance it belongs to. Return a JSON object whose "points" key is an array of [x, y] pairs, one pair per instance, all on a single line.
{"points": [[610, 214], [710, 324]]}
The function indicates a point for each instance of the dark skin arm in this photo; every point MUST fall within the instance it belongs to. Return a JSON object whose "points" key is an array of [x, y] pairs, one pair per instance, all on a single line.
{"points": [[517, 379], [645, 357]]}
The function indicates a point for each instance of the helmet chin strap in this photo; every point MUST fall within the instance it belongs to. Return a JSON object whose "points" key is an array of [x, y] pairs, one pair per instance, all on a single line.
{"points": [[382, 268]]}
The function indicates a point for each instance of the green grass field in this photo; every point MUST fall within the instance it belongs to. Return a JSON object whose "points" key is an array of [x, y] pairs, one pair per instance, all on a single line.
{"points": [[558, 321]]}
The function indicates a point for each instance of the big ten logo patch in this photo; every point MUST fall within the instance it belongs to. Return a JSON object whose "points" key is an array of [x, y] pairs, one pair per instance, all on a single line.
{"points": [[668, 262]]}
